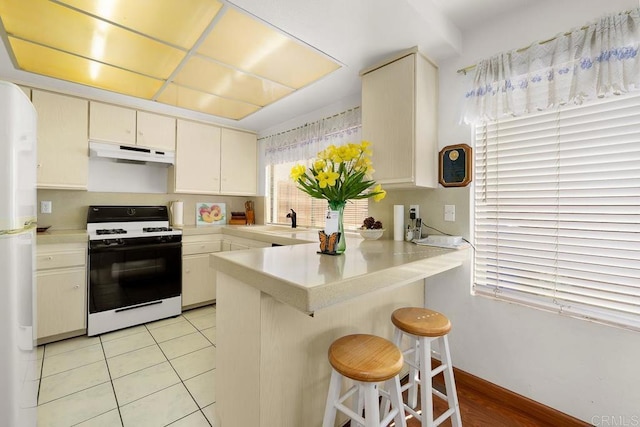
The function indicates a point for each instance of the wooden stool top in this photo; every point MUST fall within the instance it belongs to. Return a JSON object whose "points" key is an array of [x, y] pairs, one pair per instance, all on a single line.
{"points": [[366, 358], [421, 321]]}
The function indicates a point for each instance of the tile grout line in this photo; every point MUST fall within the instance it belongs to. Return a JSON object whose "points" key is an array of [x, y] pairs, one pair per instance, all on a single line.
{"points": [[180, 378], [111, 381]]}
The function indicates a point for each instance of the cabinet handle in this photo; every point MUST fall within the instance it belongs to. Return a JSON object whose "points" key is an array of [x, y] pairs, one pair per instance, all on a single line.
{"points": [[76, 287], [39, 165], [187, 271], [49, 258]]}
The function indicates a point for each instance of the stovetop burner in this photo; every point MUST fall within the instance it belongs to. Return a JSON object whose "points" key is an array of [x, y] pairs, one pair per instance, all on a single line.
{"points": [[155, 229], [111, 231], [129, 222]]}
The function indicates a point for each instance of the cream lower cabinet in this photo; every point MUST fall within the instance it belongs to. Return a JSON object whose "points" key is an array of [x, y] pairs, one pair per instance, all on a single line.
{"points": [[63, 154], [198, 279], [61, 278]]}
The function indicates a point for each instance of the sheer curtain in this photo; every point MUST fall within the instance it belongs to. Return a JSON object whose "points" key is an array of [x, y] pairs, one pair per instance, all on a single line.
{"points": [[595, 61], [304, 142]]}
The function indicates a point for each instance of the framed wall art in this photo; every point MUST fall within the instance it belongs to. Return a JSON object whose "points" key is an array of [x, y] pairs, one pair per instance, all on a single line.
{"points": [[455, 165]]}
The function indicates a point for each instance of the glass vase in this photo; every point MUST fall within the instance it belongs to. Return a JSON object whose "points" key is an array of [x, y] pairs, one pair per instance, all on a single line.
{"points": [[342, 243]]}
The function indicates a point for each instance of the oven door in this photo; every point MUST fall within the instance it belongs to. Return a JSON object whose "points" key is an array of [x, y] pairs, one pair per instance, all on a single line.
{"points": [[133, 273]]}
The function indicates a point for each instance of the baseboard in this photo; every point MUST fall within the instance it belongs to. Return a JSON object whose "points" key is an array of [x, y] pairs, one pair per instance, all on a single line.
{"points": [[545, 414]]}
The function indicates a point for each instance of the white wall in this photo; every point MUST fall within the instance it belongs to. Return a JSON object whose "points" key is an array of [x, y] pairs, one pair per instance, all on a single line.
{"points": [[578, 367]]}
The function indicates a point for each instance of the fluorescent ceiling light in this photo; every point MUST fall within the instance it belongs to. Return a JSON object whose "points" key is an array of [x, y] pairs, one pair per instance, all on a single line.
{"points": [[202, 55]]}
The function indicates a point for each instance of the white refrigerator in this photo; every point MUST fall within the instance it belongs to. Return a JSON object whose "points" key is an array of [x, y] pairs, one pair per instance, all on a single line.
{"points": [[18, 360]]}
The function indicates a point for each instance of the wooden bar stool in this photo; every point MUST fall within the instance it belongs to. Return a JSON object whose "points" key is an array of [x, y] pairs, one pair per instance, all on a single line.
{"points": [[367, 360], [423, 326]]}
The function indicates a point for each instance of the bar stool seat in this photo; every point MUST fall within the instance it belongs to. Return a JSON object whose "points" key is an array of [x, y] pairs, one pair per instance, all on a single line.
{"points": [[423, 326], [367, 360]]}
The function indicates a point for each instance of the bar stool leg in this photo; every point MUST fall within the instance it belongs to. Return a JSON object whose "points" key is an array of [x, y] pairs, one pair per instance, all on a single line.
{"points": [[333, 395], [449, 382], [414, 378], [426, 394], [371, 408], [395, 394]]}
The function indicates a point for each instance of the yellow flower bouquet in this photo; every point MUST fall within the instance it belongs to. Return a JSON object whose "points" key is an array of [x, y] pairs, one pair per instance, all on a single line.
{"points": [[337, 175]]}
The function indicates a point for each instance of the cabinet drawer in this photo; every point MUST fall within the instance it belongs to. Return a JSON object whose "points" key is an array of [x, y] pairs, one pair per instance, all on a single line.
{"points": [[201, 247], [60, 259]]}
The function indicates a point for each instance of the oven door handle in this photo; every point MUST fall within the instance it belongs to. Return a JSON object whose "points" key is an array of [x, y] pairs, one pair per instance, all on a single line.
{"points": [[139, 247]]}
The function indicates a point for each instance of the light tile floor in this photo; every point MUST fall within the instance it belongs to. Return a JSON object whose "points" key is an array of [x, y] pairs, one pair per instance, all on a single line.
{"points": [[158, 374]]}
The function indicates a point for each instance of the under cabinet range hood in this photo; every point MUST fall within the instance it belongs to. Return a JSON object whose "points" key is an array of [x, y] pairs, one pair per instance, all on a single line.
{"points": [[131, 153]]}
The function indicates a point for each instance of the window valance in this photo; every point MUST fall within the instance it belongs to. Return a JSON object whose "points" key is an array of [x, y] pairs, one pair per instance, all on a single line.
{"points": [[305, 141], [595, 61]]}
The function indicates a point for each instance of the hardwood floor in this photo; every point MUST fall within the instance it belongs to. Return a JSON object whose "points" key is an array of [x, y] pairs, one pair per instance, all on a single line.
{"points": [[492, 409], [486, 405]]}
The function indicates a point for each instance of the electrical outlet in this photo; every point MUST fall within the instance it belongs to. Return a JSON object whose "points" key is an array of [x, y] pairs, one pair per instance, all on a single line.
{"points": [[450, 213], [45, 206], [416, 209]]}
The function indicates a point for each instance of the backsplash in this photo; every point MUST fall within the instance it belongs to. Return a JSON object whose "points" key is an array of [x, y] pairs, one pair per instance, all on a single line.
{"points": [[69, 208]]}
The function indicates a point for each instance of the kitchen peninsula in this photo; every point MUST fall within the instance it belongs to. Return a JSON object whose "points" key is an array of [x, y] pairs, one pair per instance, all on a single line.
{"points": [[280, 308]]}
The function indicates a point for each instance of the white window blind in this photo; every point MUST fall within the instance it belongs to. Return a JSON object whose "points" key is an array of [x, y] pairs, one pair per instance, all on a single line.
{"points": [[557, 210], [283, 194]]}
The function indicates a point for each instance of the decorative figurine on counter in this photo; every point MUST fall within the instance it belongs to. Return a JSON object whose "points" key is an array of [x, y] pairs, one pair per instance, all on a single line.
{"points": [[328, 243]]}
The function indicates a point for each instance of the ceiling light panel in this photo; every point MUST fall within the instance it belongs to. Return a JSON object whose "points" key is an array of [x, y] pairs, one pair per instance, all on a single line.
{"points": [[205, 102], [179, 23], [56, 26], [203, 55], [253, 46], [54, 63], [209, 76]]}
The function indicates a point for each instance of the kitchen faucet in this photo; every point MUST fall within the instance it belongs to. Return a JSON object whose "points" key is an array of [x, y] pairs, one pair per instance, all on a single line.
{"points": [[292, 215]]}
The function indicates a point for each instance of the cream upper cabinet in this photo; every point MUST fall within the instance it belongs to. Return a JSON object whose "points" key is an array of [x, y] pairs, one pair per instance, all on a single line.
{"points": [[197, 168], [111, 123], [121, 125], [156, 131], [239, 166], [210, 160], [399, 118], [63, 154]]}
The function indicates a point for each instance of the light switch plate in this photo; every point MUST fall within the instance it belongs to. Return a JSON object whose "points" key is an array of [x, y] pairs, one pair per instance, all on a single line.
{"points": [[450, 213], [45, 206]]}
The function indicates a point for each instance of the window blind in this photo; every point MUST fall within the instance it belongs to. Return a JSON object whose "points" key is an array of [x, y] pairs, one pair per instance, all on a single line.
{"points": [[557, 210], [283, 194]]}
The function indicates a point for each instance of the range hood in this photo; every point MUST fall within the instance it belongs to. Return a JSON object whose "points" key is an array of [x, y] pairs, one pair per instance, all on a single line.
{"points": [[131, 153]]}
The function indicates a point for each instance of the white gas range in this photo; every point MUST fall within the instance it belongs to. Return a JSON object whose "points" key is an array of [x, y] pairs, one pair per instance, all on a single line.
{"points": [[135, 267]]}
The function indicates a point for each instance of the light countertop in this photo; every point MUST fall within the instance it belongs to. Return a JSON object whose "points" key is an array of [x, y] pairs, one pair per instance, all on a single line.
{"points": [[297, 275], [62, 236]]}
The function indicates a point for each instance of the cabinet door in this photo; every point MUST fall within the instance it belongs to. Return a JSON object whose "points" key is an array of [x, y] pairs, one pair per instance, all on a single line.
{"points": [[388, 119], [111, 123], [63, 159], [197, 168], [239, 163], [156, 131], [198, 280], [61, 300]]}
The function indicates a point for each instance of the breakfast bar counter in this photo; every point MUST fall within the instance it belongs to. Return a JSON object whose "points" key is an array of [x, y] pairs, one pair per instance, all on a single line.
{"points": [[279, 309]]}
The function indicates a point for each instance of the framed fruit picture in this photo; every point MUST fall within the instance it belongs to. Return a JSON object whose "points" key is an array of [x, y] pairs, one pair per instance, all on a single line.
{"points": [[210, 213]]}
